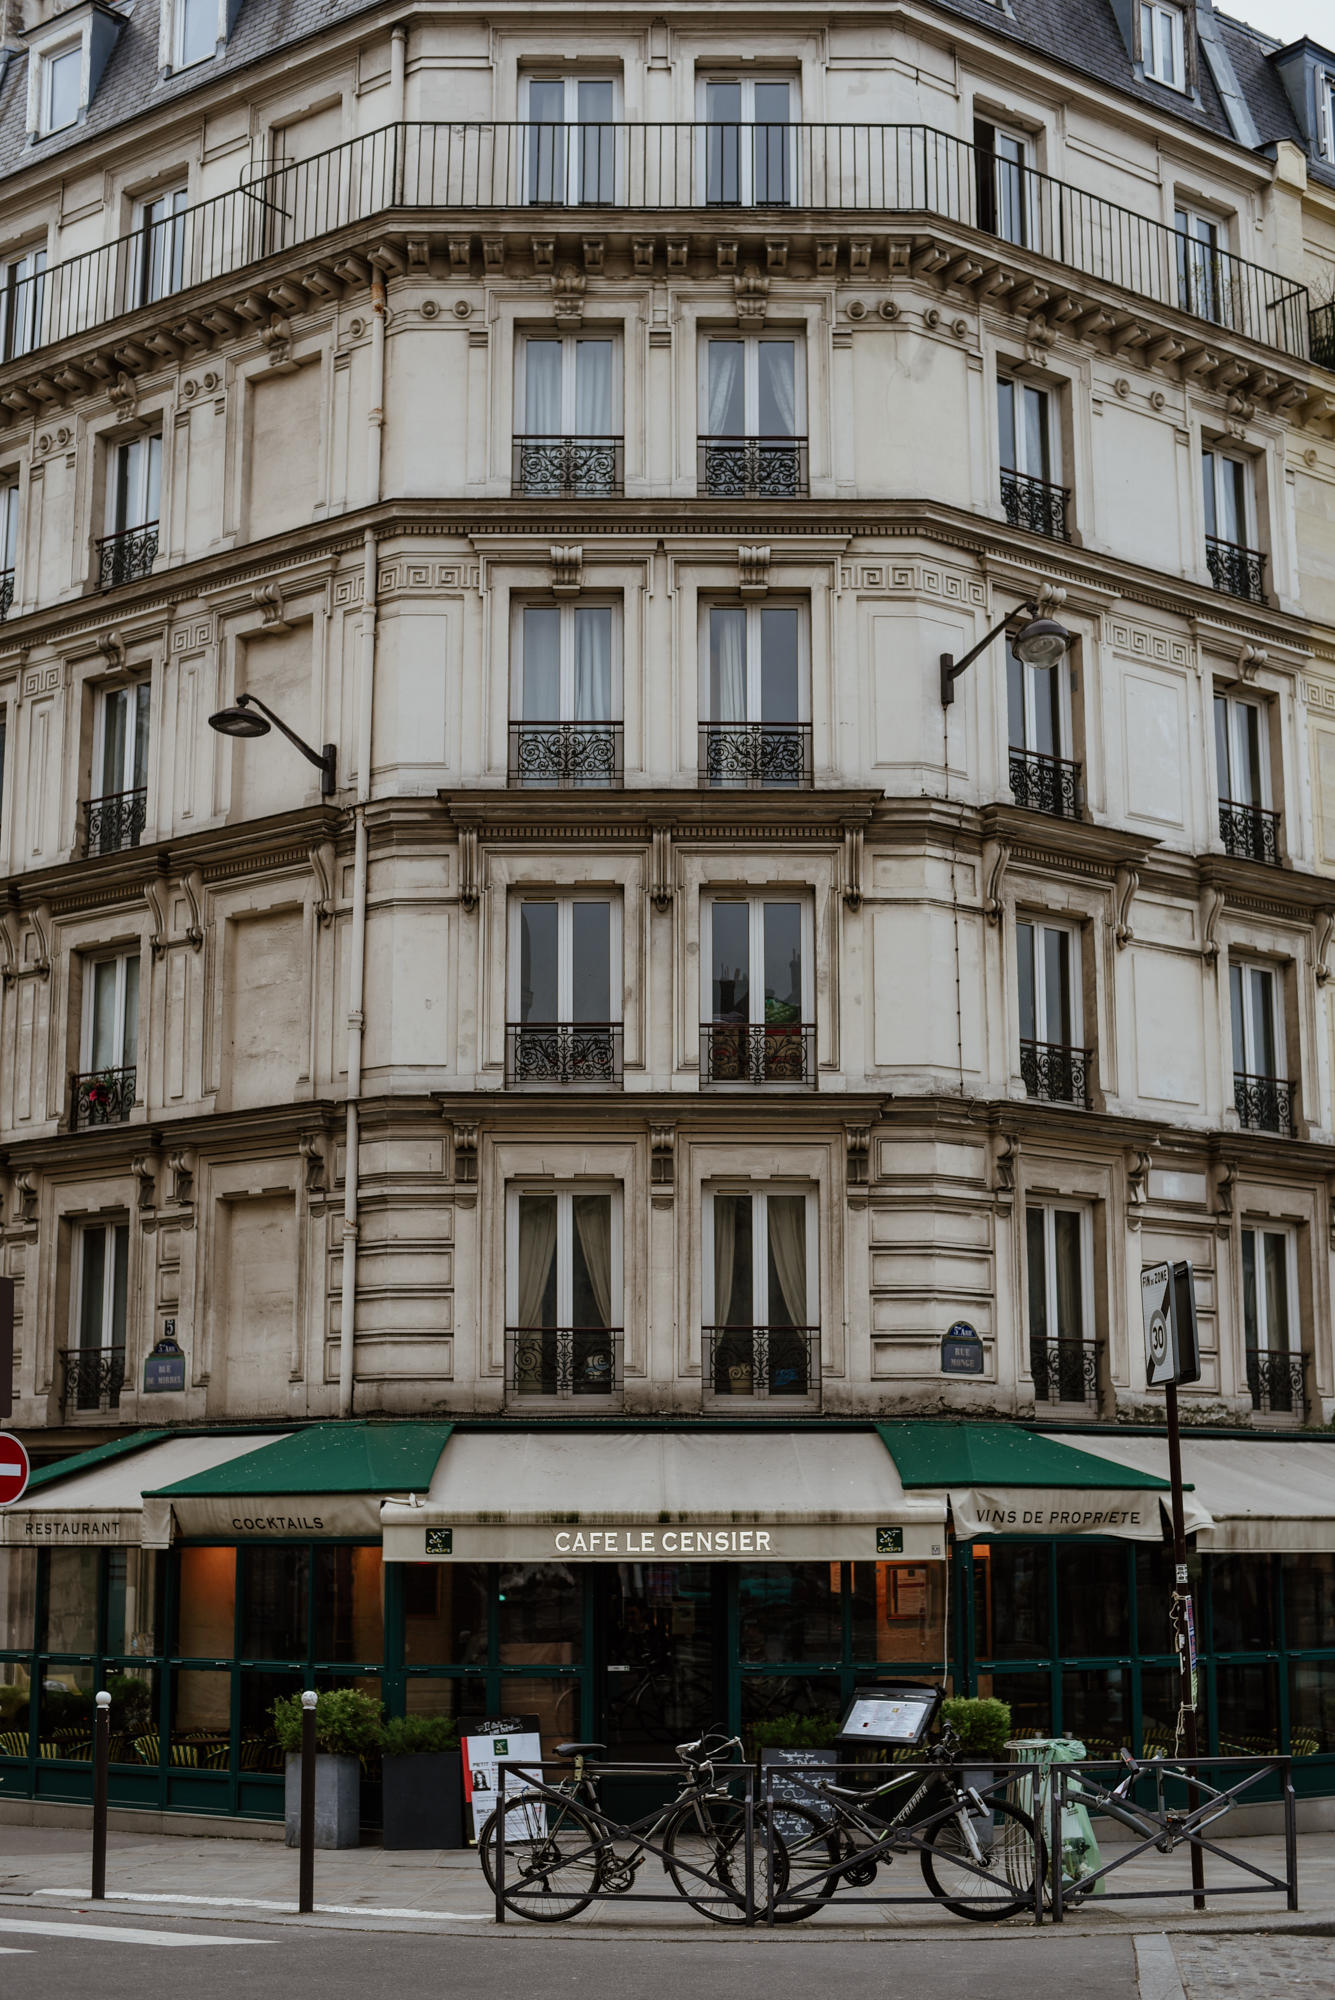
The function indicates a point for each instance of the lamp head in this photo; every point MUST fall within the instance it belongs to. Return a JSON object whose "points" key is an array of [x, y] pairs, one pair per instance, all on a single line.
{"points": [[1041, 642], [240, 720]]}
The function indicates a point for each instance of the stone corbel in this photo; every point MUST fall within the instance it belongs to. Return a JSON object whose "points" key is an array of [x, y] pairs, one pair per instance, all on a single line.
{"points": [[1250, 661], [276, 339], [192, 888], [1124, 894], [144, 1167], [753, 571], [181, 1167], [1325, 927], [996, 860], [1005, 1167], [8, 950], [660, 870], [25, 1195], [157, 910], [310, 1145], [852, 889], [468, 882], [750, 290], [39, 916], [268, 601], [568, 296], [1138, 1164], [857, 1167], [112, 648], [567, 570], [662, 1164], [322, 867], [1212, 904], [1225, 1174], [464, 1145]]}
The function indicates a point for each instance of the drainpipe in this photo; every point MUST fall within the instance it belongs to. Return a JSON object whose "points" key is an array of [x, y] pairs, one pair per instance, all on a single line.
{"points": [[360, 868], [398, 69]]}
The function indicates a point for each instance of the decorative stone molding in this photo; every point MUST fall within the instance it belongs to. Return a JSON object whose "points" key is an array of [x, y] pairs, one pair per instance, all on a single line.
{"points": [[660, 871], [1138, 1164], [753, 571], [192, 888], [322, 867], [268, 601], [1250, 660], [1324, 930], [567, 569], [544, 254], [464, 1145], [1124, 894], [662, 1164], [311, 1148], [751, 296], [1212, 906], [468, 880], [8, 950], [852, 865], [144, 1167], [112, 648], [157, 910], [1005, 1169], [181, 1166], [25, 1195], [123, 395], [996, 860], [857, 1163], [276, 339], [568, 296]]}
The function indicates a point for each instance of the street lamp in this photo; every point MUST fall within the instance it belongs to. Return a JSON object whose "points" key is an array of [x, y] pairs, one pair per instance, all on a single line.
{"points": [[243, 720], [1039, 642]]}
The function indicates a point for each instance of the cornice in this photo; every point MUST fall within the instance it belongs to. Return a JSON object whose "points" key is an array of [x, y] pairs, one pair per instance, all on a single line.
{"points": [[499, 816]]}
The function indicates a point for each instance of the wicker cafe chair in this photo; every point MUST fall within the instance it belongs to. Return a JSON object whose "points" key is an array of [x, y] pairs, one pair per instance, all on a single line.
{"points": [[183, 1755], [13, 1742]]}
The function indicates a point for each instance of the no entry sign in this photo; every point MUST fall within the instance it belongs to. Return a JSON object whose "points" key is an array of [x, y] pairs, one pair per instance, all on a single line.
{"points": [[14, 1470]]}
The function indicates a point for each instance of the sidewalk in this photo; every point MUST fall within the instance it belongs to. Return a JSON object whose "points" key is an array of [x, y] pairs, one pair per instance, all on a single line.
{"points": [[367, 1888]]}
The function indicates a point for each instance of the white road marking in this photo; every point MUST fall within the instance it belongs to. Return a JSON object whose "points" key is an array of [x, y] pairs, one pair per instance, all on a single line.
{"points": [[114, 1934], [1156, 1968], [287, 1909]]}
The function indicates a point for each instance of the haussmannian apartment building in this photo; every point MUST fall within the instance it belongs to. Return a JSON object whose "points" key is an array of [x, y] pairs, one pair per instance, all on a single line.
{"points": [[577, 1093]]}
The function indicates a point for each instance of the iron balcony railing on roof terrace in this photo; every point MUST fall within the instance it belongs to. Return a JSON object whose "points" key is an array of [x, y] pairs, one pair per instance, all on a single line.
{"points": [[546, 169], [1323, 336]]}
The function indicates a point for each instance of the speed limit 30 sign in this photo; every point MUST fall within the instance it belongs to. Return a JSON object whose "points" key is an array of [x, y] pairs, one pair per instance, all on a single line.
{"points": [[14, 1469]]}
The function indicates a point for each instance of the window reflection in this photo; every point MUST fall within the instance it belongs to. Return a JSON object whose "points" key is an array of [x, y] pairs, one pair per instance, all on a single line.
{"points": [[461, 1699], [69, 1609], [1311, 1707], [201, 1721], [18, 1599], [1309, 1599], [791, 1611], [1029, 1697], [206, 1600], [65, 1711], [1012, 1605], [539, 1615], [1096, 1707], [134, 1589], [899, 1611], [1242, 1591], [1093, 1614], [445, 1613], [1154, 1590], [1248, 1703], [349, 1604], [273, 1609], [15, 1704]]}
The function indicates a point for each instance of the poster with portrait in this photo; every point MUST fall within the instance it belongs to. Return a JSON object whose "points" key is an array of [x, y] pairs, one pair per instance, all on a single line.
{"points": [[510, 1739]]}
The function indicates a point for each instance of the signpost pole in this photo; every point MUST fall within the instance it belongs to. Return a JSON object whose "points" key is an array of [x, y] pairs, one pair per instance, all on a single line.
{"points": [[1183, 1629]]}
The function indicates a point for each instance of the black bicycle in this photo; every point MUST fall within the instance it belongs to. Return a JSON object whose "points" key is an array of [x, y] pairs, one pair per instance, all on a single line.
{"points": [[561, 1850]]}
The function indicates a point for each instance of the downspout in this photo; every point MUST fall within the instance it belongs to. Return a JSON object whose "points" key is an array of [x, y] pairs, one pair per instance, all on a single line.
{"points": [[347, 1331], [398, 70]]}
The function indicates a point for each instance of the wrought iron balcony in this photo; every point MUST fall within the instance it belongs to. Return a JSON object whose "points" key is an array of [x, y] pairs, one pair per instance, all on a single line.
{"points": [[114, 822], [6, 593], [1035, 504], [754, 755], [1056, 1074], [101, 1097], [737, 1052], [556, 468], [1065, 1371], [1265, 1103], [1249, 833], [1045, 784], [570, 1362], [752, 468], [1323, 336], [126, 556], [533, 167], [565, 753], [93, 1378], [1239, 571], [760, 1362], [1277, 1383], [563, 1052]]}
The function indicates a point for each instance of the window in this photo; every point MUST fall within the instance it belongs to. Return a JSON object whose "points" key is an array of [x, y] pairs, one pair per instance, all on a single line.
{"points": [[761, 1250], [752, 418], [95, 1367], [1052, 1064], [9, 541], [757, 729], [134, 476], [758, 992], [116, 813], [1038, 701], [24, 280], [1163, 44], [1030, 466], [565, 701], [160, 225], [563, 1336], [4, 734], [1061, 1351], [1325, 104], [568, 432], [1234, 563], [748, 140], [61, 88], [1247, 827], [565, 1003], [1200, 264], [110, 1044], [1274, 1367], [1262, 1097], [196, 32], [1006, 186], [571, 139]]}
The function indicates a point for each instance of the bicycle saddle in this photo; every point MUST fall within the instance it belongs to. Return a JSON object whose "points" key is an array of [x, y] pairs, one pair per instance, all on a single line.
{"points": [[580, 1749]]}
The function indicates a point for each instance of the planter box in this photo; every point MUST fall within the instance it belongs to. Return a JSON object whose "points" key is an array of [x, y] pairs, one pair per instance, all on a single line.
{"points": [[338, 1798], [424, 1800]]}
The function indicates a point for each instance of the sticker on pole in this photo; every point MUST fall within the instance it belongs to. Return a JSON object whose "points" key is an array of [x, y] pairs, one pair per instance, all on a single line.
{"points": [[14, 1470]]}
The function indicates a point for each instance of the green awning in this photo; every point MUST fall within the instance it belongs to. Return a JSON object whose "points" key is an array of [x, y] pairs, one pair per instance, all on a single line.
{"points": [[1002, 1479], [327, 1479]]}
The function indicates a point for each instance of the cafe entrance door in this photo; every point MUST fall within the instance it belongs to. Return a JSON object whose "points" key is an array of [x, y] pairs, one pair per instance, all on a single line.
{"points": [[661, 1665]]}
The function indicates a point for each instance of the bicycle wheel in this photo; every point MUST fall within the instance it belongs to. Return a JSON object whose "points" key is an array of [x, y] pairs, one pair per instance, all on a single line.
{"points": [[1006, 1850], [704, 1853], [553, 1859], [809, 1844]]}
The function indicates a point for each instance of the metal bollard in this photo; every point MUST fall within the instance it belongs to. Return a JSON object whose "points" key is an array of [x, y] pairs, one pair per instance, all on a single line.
{"points": [[306, 1874], [101, 1758]]}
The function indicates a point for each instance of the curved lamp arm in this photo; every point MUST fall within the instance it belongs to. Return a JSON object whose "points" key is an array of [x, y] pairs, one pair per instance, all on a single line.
{"points": [[951, 668], [325, 763]]}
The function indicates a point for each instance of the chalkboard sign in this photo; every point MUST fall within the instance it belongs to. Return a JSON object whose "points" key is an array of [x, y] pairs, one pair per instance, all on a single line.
{"points": [[799, 1787]]}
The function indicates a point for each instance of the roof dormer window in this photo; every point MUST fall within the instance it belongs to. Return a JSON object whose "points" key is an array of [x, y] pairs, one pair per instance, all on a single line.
{"points": [[66, 58], [196, 32], [1163, 51], [61, 87], [1325, 117]]}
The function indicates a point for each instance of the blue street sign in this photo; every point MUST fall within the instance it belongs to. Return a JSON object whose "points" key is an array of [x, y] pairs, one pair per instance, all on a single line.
{"points": [[961, 1350], [165, 1366]]}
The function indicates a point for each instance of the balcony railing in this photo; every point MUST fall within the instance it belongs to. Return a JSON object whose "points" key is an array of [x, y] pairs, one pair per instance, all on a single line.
{"points": [[1264, 1103], [1277, 1383], [760, 1361], [561, 1052], [114, 822], [565, 753], [484, 166], [1035, 504], [755, 754], [752, 468], [1249, 833], [564, 1361], [6, 593], [1054, 1073], [93, 1378], [1239, 571], [1323, 336], [1045, 784], [556, 468], [101, 1097], [1065, 1371], [125, 557], [736, 1052]]}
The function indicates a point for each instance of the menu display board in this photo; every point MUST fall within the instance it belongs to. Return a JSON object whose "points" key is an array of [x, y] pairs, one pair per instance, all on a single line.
{"points": [[898, 1715]]}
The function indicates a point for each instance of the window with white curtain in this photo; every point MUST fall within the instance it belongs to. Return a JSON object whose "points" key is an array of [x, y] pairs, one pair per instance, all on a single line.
{"points": [[24, 285], [160, 225], [751, 387], [1163, 43], [761, 1264], [755, 694], [563, 1291], [749, 131], [564, 1010], [568, 422], [565, 694], [9, 541], [570, 139], [757, 989], [102, 1267], [1258, 1031], [1052, 1062], [1270, 1321], [1028, 435], [134, 481], [111, 1013], [1241, 759], [121, 744], [1226, 486]]}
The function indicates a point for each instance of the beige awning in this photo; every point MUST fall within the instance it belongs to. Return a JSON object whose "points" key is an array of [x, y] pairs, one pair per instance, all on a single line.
{"points": [[1258, 1493], [103, 1504], [636, 1496]]}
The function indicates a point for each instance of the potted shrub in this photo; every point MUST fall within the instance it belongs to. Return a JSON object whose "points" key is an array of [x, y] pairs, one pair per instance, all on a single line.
{"points": [[423, 1782], [347, 1726], [982, 1725]]}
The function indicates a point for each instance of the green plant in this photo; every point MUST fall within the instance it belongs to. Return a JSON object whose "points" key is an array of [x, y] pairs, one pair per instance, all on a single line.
{"points": [[795, 1732], [347, 1722], [410, 1735], [981, 1724], [131, 1704]]}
